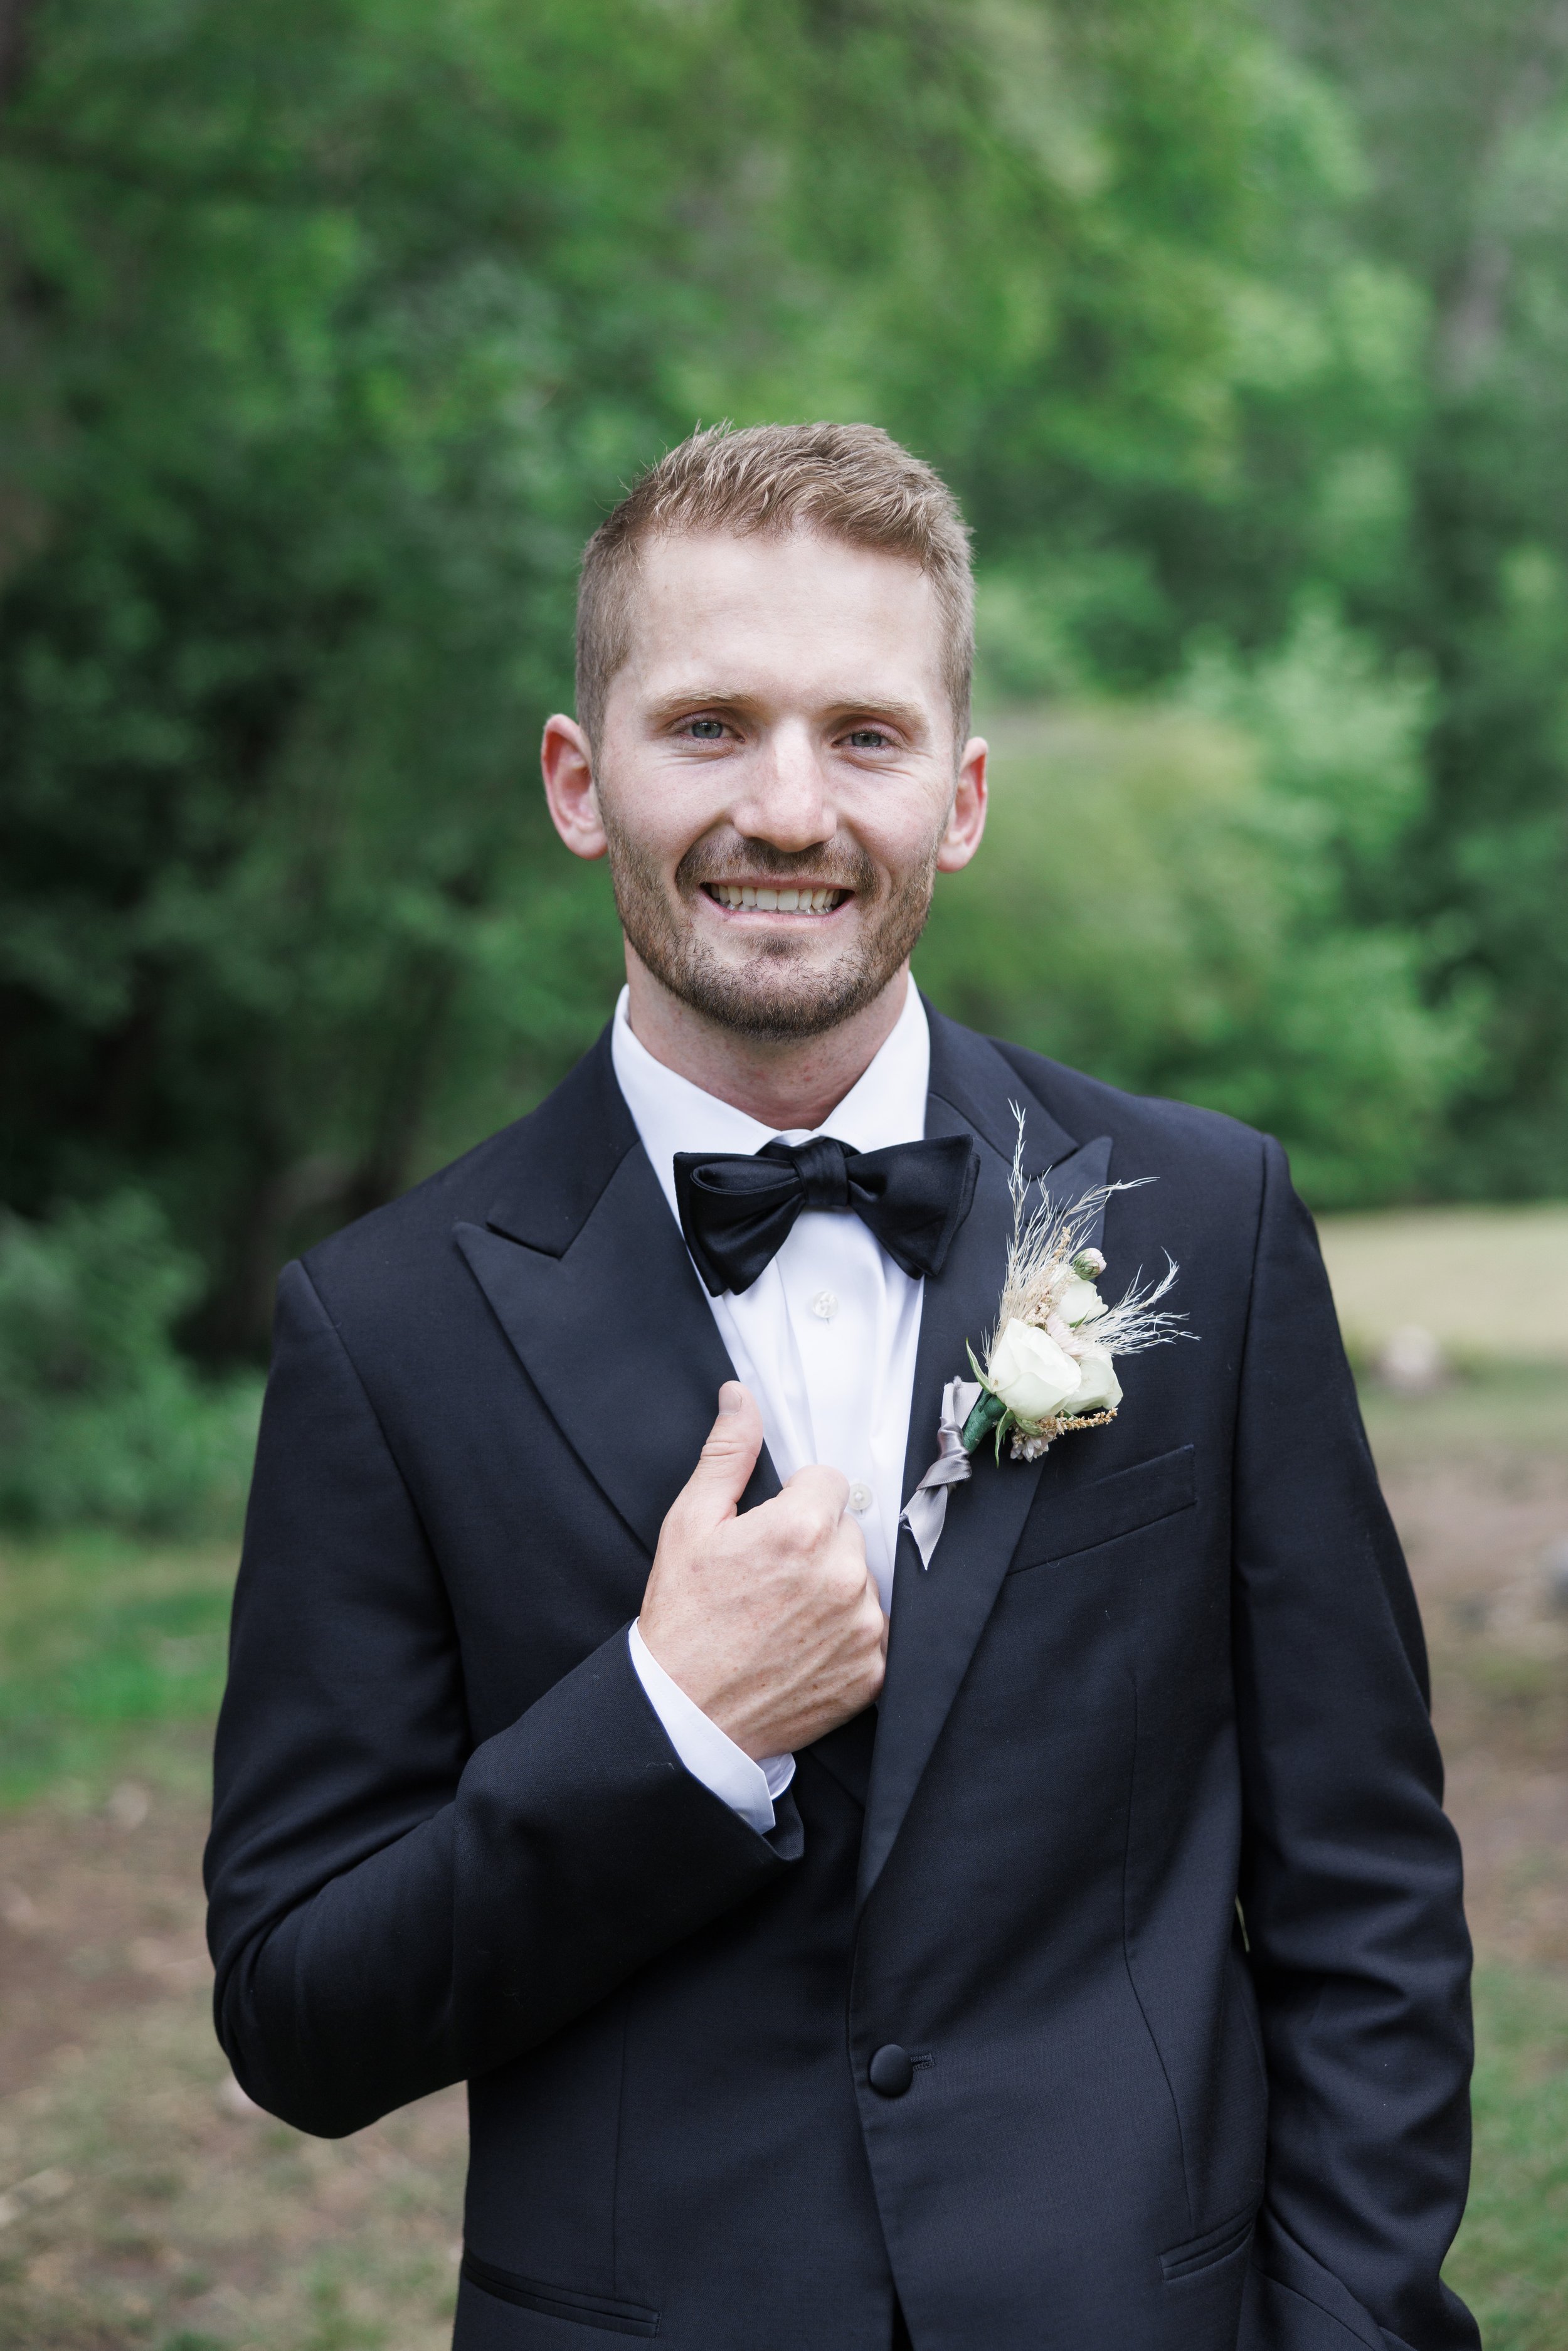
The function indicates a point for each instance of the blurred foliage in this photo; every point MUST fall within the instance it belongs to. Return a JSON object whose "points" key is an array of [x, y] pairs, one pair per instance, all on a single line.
{"points": [[101, 1418], [1184, 899], [1462, 114], [328, 332]]}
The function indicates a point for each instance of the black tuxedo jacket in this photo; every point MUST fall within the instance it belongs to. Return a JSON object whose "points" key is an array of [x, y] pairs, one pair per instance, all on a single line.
{"points": [[1169, 1680]]}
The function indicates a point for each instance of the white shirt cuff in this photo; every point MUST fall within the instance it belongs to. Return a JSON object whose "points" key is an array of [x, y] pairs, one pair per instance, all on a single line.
{"points": [[747, 1788]]}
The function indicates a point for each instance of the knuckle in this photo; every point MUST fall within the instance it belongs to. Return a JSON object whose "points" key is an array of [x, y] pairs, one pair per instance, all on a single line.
{"points": [[828, 1487], [799, 1524], [849, 1568]]}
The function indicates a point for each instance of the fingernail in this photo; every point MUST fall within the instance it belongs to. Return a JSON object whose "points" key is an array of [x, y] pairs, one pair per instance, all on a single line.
{"points": [[731, 1396]]}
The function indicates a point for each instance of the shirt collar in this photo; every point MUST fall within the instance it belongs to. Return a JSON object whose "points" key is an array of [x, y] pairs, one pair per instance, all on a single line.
{"points": [[886, 1104]]}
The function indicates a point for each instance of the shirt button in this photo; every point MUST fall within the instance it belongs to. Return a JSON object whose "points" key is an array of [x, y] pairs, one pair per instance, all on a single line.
{"points": [[824, 1306], [860, 1497]]}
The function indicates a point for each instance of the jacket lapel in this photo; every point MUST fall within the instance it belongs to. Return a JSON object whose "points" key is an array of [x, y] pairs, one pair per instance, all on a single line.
{"points": [[581, 1262], [586, 1272], [939, 1613]]}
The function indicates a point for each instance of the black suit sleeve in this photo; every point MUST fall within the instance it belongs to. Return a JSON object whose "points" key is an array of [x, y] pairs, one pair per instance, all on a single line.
{"points": [[392, 1908], [1351, 1879]]}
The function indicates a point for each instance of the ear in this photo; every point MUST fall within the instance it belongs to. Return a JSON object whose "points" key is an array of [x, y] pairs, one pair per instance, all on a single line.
{"points": [[566, 761], [967, 821]]}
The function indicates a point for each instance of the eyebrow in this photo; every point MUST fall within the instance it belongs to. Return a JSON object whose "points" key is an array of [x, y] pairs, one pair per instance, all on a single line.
{"points": [[907, 715]]}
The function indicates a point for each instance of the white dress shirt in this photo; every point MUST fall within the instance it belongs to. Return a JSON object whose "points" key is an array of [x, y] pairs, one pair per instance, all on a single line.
{"points": [[825, 1338]]}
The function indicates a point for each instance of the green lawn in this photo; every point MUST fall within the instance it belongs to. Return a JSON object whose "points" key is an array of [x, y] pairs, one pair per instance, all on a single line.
{"points": [[111, 1657], [1510, 2264], [1490, 1284]]}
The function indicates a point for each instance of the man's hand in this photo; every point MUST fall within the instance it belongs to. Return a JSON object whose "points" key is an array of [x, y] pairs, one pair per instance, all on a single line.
{"points": [[771, 1623]]}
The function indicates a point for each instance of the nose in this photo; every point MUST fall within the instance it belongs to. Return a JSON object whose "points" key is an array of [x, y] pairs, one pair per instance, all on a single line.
{"points": [[785, 797]]}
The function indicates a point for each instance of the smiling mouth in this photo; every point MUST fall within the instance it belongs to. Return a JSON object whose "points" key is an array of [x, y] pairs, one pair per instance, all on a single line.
{"points": [[738, 896]]}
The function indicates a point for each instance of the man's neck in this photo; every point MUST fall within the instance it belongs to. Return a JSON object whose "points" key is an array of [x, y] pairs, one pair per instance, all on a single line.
{"points": [[791, 1084]]}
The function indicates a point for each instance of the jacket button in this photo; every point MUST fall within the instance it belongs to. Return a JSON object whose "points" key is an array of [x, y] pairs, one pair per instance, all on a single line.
{"points": [[890, 2070]]}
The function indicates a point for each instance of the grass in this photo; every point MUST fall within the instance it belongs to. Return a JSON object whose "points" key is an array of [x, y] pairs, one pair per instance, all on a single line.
{"points": [[112, 1654], [184, 2223], [1502, 1416], [1490, 1284], [1511, 2262]]}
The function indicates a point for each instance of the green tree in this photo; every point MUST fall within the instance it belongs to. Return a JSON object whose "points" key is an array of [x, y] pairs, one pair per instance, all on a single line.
{"points": [[328, 331], [1463, 112], [100, 1417], [1184, 899]]}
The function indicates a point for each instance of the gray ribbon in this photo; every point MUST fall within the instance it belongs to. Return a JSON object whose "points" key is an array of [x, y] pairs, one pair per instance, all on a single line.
{"points": [[926, 1511]]}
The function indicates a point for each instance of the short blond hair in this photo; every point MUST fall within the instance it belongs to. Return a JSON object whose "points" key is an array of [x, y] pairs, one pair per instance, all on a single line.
{"points": [[850, 482]]}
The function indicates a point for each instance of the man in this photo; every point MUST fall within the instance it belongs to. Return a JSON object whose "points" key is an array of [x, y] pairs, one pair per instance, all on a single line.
{"points": [[1056, 1944]]}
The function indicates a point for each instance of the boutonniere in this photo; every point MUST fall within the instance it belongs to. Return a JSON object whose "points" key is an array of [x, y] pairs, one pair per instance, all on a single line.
{"points": [[1049, 1367]]}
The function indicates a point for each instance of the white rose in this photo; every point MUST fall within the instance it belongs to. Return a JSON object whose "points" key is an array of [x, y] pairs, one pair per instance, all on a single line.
{"points": [[1079, 1302], [1033, 1375], [1099, 1389]]}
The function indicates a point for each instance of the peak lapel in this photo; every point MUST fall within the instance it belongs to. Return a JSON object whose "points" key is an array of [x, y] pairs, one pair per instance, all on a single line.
{"points": [[586, 1271], [940, 1611]]}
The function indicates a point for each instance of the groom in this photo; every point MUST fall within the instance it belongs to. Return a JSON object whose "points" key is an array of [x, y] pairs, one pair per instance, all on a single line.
{"points": [[1057, 1944]]}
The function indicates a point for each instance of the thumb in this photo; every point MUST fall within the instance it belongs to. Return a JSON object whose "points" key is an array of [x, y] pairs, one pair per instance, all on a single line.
{"points": [[729, 1457]]}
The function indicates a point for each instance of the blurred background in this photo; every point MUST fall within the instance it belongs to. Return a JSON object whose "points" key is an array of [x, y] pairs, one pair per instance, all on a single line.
{"points": [[328, 332]]}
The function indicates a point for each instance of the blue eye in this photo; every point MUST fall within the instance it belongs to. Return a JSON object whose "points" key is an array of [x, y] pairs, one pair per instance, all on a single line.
{"points": [[867, 738], [707, 730]]}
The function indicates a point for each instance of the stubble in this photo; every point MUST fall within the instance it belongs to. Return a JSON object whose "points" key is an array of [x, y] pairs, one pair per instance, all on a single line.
{"points": [[776, 991]]}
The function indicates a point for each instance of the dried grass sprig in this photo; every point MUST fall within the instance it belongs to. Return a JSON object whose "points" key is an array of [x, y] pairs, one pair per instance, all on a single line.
{"points": [[1045, 1253], [1045, 1241]]}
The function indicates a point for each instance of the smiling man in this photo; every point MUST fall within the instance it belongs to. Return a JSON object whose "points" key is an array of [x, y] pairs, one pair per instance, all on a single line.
{"points": [[1034, 1925]]}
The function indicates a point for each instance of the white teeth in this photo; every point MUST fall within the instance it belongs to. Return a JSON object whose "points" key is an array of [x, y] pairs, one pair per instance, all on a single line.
{"points": [[737, 895]]}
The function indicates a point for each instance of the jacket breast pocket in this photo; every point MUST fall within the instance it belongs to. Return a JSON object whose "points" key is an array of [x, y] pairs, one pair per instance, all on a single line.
{"points": [[1061, 1524]]}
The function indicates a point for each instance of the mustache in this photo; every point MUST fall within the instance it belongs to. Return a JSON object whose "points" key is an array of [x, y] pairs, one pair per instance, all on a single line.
{"points": [[722, 856]]}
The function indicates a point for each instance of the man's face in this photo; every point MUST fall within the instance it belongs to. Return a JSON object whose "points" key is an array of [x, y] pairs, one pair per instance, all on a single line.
{"points": [[777, 779]]}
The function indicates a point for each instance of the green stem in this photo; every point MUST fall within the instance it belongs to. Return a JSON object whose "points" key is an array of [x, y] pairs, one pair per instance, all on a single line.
{"points": [[984, 1417]]}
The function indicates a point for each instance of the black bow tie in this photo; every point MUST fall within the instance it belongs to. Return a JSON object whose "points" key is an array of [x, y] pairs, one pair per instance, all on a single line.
{"points": [[738, 1209]]}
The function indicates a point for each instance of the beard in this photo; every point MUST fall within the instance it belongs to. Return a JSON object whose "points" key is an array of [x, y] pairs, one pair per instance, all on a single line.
{"points": [[776, 992]]}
